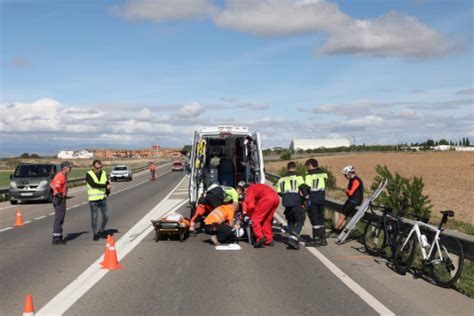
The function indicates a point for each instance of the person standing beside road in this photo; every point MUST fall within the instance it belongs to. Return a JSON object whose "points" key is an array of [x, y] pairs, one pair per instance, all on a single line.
{"points": [[59, 186], [315, 179], [260, 204], [288, 188], [98, 188], [153, 171], [355, 196]]}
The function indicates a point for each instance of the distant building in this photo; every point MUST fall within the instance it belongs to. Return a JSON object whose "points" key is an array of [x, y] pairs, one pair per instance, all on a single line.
{"points": [[75, 154], [464, 148], [442, 147], [305, 144]]}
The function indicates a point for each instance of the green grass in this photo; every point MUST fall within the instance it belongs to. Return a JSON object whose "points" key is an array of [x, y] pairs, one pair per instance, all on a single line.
{"points": [[5, 178], [466, 282]]}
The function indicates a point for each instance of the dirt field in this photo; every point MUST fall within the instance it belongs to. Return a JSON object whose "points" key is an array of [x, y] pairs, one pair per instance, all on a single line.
{"points": [[448, 176]]}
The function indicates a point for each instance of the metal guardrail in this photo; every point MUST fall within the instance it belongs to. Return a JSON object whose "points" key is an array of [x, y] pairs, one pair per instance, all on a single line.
{"points": [[467, 241], [76, 181]]}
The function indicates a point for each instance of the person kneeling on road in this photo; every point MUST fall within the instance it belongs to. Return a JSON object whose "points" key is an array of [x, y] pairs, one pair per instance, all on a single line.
{"points": [[214, 197], [260, 204], [220, 224], [355, 196]]}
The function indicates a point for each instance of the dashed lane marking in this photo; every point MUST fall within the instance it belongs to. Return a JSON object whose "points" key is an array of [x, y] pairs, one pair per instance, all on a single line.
{"points": [[93, 274], [5, 229], [27, 222], [38, 218]]}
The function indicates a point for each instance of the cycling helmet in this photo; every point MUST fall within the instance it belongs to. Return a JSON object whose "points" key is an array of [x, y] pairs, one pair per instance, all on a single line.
{"points": [[347, 170]]}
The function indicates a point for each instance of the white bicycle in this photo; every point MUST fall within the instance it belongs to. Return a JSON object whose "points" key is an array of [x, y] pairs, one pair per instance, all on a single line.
{"points": [[445, 266]]}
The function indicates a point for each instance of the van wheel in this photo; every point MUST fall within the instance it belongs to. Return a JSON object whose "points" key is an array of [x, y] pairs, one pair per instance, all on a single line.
{"points": [[13, 202]]}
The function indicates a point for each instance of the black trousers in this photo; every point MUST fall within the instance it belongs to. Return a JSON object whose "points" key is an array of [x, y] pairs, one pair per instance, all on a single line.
{"points": [[316, 217], [224, 232], [295, 217], [59, 214]]}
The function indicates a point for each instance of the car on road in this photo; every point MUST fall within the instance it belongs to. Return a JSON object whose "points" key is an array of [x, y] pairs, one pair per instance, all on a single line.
{"points": [[31, 182], [177, 166], [121, 172]]}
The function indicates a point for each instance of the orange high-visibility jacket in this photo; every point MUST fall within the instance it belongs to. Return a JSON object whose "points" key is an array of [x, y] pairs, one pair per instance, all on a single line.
{"points": [[221, 214]]}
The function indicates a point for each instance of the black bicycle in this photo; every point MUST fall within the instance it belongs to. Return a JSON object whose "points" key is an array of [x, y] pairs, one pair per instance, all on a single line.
{"points": [[382, 233]]}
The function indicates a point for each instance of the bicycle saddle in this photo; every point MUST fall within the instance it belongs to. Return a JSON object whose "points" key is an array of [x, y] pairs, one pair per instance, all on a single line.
{"points": [[448, 213]]}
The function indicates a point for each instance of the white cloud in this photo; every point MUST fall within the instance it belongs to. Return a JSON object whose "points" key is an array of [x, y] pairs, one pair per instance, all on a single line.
{"points": [[366, 121], [280, 17], [193, 109], [391, 35], [165, 10], [465, 91], [145, 114]]}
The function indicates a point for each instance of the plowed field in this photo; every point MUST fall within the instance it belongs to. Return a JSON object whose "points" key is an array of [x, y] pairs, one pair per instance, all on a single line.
{"points": [[448, 176]]}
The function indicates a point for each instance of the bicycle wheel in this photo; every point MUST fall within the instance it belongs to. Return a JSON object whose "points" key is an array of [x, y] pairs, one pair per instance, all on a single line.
{"points": [[405, 256], [446, 271], [374, 237]]}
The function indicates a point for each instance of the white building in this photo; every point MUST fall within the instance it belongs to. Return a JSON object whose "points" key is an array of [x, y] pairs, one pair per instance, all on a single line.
{"points": [[79, 154], [442, 147], [305, 144], [463, 148]]}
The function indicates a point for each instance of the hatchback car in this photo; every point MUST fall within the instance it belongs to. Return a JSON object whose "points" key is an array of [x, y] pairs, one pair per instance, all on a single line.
{"points": [[122, 172], [177, 166]]}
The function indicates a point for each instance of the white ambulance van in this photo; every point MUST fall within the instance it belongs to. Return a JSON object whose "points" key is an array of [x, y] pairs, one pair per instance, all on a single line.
{"points": [[224, 155]]}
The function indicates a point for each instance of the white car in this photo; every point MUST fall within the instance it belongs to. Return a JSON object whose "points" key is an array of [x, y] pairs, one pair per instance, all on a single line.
{"points": [[121, 172]]}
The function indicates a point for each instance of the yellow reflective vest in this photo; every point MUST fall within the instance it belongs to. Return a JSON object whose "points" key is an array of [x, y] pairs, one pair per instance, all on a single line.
{"points": [[95, 194]]}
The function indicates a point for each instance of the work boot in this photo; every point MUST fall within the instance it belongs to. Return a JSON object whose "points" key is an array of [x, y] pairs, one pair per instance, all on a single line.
{"points": [[260, 242], [96, 237], [324, 242], [270, 244], [214, 240], [102, 234], [292, 243], [58, 241]]}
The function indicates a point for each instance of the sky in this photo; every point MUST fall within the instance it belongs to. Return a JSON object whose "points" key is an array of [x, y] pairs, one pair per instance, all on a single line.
{"points": [[133, 73]]}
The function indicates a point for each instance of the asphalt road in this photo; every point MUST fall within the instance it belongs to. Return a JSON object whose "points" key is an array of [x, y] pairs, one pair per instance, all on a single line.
{"points": [[192, 278]]}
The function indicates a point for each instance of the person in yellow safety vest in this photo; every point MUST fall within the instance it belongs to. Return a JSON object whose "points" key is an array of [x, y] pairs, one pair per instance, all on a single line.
{"points": [[315, 179], [98, 188], [289, 188], [220, 223]]}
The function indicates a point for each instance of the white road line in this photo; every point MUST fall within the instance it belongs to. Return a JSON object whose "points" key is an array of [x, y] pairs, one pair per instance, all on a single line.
{"points": [[52, 213], [41, 217], [5, 229], [27, 222], [74, 291], [351, 284]]}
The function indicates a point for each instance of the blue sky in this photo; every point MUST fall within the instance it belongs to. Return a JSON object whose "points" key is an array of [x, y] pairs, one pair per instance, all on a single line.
{"points": [[123, 73]]}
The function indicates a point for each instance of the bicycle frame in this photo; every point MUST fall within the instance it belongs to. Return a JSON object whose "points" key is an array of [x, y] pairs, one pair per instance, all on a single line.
{"points": [[435, 243]]}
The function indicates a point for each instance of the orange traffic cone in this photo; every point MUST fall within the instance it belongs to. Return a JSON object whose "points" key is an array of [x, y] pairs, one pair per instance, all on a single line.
{"points": [[28, 309], [19, 218], [110, 242], [110, 259]]}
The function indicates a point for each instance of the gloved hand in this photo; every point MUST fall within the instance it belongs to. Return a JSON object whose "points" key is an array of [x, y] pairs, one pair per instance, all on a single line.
{"points": [[246, 219]]}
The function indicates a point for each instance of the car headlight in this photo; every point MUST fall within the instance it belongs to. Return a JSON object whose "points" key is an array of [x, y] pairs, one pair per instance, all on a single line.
{"points": [[42, 184], [13, 185]]}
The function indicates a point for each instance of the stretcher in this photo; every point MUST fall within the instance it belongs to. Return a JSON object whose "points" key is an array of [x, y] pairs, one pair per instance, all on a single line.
{"points": [[171, 227]]}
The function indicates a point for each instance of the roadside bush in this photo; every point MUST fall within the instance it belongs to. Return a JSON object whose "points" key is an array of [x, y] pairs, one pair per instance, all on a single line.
{"points": [[401, 192], [301, 171], [285, 156]]}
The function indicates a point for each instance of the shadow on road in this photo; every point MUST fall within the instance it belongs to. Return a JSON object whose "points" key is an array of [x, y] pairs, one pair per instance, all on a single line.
{"points": [[73, 236]]}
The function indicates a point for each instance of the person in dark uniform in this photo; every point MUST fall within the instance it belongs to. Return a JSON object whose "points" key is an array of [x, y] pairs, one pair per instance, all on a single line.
{"points": [[355, 196], [59, 187], [288, 187], [315, 179]]}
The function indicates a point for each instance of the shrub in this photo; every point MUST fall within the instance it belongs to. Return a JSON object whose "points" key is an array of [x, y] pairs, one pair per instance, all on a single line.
{"points": [[285, 156], [401, 192]]}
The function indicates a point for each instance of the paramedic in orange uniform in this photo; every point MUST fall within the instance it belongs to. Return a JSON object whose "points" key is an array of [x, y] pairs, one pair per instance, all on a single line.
{"points": [[220, 223]]}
